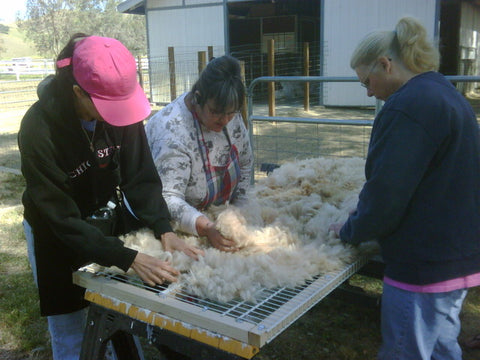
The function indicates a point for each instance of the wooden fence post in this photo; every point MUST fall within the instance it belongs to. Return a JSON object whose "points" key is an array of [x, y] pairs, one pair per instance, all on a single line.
{"points": [[271, 72], [306, 72], [171, 69], [210, 53], [202, 61], [140, 70], [244, 108]]}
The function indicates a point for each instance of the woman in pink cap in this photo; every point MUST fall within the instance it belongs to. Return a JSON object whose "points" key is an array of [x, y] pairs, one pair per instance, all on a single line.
{"points": [[81, 145]]}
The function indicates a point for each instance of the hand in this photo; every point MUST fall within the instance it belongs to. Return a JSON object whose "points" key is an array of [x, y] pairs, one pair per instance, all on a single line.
{"points": [[218, 241], [171, 242], [207, 228], [152, 270], [336, 227]]}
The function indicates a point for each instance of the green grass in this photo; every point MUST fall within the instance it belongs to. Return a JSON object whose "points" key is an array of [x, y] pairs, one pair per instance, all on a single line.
{"points": [[13, 77], [16, 45], [22, 330]]}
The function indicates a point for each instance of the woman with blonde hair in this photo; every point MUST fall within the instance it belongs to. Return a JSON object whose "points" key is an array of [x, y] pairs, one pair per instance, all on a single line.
{"points": [[421, 198]]}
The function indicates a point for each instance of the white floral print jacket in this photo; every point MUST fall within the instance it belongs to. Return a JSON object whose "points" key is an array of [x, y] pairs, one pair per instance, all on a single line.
{"points": [[173, 142]]}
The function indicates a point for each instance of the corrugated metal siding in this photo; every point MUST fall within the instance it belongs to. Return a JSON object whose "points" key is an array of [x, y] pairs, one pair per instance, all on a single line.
{"points": [[345, 23]]}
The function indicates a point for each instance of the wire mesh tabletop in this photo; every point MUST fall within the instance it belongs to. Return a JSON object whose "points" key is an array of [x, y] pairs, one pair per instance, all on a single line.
{"points": [[251, 323]]}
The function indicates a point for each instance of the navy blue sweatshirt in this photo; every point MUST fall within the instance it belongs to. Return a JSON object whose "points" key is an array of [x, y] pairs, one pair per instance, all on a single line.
{"points": [[421, 198]]}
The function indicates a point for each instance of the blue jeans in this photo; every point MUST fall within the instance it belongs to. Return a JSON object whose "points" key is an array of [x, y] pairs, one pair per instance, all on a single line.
{"points": [[66, 330], [420, 326]]}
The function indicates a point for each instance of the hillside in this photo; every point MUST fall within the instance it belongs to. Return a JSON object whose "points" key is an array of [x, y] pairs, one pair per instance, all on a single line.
{"points": [[16, 45]]}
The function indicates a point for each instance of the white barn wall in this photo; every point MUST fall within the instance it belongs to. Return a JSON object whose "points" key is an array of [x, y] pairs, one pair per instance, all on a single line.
{"points": [[189, 26], [192, 27], [345, 23]]}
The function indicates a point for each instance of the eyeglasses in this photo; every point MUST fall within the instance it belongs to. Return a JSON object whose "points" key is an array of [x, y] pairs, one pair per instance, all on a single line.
{"points": [[366, 82], [219, 114]]}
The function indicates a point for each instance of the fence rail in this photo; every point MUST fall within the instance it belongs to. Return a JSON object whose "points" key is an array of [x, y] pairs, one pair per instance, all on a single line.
{"points": [[277, 139], [291, 134]]}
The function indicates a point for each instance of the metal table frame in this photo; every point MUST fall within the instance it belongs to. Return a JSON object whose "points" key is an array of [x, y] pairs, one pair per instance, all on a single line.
{"points": [[104, 324], [166, 318]]}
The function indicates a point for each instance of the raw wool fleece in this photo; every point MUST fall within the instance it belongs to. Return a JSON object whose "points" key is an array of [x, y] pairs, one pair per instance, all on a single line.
{"points": [[282, 232]]}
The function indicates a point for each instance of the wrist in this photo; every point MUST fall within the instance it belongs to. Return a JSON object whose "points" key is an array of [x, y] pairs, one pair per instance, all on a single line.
{"points": [[165, 236], [209, 227], [204, 225]]}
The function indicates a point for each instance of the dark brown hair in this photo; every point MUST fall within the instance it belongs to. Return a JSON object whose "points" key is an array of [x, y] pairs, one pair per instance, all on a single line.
{"points": [[64, 79], [221, 81]]}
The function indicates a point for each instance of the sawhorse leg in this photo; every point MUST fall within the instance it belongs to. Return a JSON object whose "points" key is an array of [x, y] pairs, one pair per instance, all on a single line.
{"points": [[102, 326]]}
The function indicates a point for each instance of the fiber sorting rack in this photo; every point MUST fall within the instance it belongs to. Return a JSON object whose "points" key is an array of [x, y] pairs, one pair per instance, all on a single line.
{"points": [[123, 306]]}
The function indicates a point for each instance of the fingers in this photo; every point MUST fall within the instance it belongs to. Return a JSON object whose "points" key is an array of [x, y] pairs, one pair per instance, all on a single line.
{"points": [[172, 242], [159, 276], [221, 243], [154, 271], [226, 245], [193, 252]]}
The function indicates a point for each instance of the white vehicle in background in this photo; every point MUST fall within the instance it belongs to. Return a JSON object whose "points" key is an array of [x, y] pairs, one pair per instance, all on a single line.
{"points": [[20, 64]]}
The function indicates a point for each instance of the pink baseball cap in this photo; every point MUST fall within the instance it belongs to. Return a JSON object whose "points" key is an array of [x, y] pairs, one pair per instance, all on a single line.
{"points": [[107, 71]]}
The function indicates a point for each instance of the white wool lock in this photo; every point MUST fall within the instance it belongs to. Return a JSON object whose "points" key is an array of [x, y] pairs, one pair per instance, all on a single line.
{"points": [[282, 232]]}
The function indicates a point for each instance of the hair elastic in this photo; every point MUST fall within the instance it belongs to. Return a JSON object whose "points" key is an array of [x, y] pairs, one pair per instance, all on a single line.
{"points": [[64, 62]]}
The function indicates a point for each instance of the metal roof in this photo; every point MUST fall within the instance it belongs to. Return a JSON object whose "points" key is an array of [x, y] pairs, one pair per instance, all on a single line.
{"points": [[132, 7]]}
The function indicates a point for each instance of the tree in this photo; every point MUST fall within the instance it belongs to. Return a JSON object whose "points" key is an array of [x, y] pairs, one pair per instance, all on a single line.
{"points": [[50, 23]]}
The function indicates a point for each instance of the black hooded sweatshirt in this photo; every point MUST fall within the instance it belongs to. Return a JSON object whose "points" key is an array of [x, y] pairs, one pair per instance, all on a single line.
{"points": [[68, 176]]}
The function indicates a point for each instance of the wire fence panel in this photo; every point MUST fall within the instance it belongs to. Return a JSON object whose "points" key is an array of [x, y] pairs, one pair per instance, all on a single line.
{"points": [[293, 134], [284, 138]]}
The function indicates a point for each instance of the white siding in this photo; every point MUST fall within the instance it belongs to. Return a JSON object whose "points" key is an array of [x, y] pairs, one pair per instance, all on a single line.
{"points": [[151, 4], [187, 29], [156, 4], [199, 2], [345, 23], [196, 27]]}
